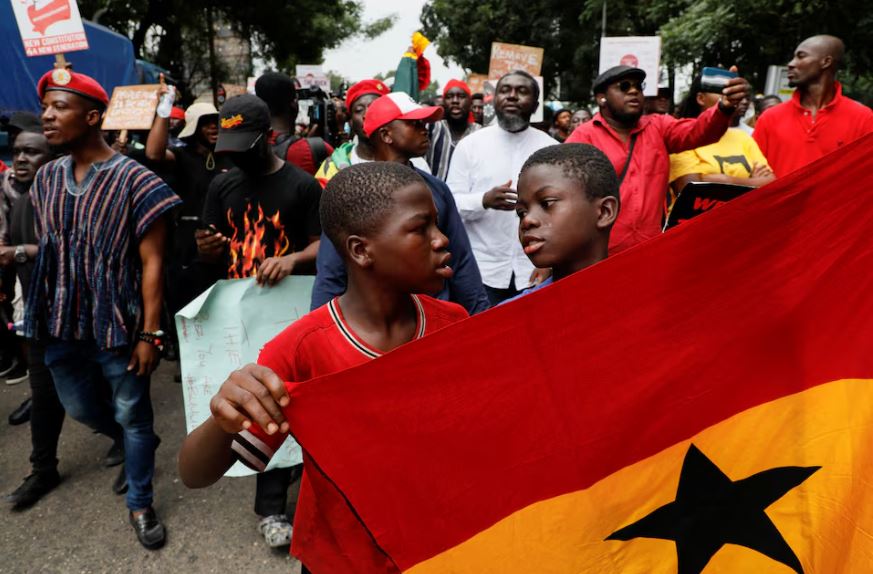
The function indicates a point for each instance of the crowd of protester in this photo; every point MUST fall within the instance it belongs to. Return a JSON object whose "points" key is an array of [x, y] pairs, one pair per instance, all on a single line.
{"points": [[416, 218]]}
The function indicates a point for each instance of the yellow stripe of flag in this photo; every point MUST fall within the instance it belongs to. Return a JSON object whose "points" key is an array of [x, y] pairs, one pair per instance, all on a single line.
{"points": [[821, 519]]}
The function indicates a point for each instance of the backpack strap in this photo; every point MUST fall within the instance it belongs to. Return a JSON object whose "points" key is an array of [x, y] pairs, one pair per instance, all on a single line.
{"points": [[630, 153], [283, 143], [318, 151]]}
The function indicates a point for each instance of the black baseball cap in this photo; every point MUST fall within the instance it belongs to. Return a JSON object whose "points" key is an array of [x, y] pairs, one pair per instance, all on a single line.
{"points": [[614, 74], [241, 120]]}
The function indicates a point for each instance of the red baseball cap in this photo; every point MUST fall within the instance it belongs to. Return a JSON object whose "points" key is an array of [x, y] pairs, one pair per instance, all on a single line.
{"points": [[64, 80], [398, 106], [363, 88]]}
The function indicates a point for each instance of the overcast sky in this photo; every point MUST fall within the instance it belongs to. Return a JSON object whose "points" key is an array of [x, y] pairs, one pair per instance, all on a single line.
{"points": [[359, 58]]}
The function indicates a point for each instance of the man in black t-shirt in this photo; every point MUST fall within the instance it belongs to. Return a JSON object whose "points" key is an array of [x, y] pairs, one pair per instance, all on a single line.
{"points": [[264, 217], [260, 219]]}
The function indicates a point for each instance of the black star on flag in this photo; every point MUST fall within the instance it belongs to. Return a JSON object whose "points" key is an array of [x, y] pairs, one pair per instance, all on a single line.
{"points": [[710, 511]]}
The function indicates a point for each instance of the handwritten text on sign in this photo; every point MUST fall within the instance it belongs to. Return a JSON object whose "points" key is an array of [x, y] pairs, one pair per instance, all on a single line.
{"points": [[224, 329], [508, 57], [132, 108]]}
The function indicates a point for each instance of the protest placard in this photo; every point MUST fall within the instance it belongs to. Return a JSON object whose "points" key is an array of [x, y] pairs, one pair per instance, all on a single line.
{"points": [[131, 108], [699, 197], [223, 329], [49, 27], [309, 76], [233, 90], [508, 57], [642, 52], [476, 82]]}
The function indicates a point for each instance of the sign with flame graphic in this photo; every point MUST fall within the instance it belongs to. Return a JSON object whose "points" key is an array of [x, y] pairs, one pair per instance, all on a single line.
{"points": [[225, 328], [49, 26]]}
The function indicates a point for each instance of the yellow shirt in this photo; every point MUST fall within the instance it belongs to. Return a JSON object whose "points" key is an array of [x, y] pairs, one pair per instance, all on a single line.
{"points": [[735, 154]]}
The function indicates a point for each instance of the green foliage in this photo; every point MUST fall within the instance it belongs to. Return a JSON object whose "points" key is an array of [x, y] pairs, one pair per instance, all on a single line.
{"points": [[432, 91], [750, 34], [174, 33]]}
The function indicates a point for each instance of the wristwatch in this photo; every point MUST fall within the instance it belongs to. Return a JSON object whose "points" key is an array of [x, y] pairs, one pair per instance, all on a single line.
{"points": [[20, 254]]}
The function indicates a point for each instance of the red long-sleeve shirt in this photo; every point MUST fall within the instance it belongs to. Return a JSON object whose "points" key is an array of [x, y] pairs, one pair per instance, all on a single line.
{"points": [[644, 189]]}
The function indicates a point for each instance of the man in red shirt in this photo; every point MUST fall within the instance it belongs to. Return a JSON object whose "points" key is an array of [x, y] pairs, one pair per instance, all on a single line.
{"points": [[638, 146], [817, 119]]}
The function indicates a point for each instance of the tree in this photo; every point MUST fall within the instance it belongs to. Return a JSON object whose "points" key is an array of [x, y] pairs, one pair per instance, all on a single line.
{"points": [[752, 34], [568, 31], [755, 35], [174, 34], [432, 91]]}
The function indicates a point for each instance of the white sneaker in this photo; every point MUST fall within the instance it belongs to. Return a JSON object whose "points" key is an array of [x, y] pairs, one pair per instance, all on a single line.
{"points": [[276, 530], [16, 378]]}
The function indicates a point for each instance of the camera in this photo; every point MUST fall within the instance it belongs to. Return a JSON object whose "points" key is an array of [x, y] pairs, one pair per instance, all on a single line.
{"points": [[320, 109]]}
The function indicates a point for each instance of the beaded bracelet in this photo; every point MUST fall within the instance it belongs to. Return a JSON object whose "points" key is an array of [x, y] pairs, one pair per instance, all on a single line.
{"points": [[155, 338]]}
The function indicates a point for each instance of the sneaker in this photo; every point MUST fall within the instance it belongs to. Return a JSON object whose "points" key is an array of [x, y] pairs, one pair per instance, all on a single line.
{"points": [[17, 376], [6, 368], [32, 489], [276, 530]]}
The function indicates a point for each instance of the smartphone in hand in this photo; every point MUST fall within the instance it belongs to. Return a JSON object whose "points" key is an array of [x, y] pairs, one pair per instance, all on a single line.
{"points": [[714, 80], [208, 229]]}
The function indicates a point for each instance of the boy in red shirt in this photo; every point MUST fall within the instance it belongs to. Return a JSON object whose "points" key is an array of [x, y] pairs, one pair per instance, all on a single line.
{"points": [[382, 220]]}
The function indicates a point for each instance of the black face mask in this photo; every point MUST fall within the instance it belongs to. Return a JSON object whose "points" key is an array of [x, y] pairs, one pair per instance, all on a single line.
{"points": [[254, 161]]}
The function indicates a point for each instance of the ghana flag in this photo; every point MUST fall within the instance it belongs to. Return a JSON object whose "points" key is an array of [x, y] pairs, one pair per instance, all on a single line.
{"points": [[701, 403]]}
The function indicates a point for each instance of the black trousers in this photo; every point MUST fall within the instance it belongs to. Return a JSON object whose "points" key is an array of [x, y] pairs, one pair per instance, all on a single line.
{"points": [[47, 413], [271, 491]]}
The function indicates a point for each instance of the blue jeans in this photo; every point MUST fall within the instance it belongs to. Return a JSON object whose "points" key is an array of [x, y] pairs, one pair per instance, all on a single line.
{"points": [[76, 367]]}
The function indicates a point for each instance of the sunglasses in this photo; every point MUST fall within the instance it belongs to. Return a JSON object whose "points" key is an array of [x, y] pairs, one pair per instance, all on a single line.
{"points": [[626, 85]]}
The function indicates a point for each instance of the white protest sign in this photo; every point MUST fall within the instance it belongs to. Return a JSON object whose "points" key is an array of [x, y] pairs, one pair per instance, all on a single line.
{"points": [[223, 329], [49, 26], [309, 76], [642, 52]]}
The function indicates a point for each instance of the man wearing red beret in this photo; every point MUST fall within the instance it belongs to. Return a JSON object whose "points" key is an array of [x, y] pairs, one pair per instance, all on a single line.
{"points": [[457, 124], [96, 292]]}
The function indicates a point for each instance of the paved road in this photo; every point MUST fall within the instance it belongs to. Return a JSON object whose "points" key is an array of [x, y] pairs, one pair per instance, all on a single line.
{"points": [[82, 526]]}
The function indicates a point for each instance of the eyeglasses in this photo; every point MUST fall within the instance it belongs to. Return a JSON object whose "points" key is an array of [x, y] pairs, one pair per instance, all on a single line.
{"points": [[626, 85]]}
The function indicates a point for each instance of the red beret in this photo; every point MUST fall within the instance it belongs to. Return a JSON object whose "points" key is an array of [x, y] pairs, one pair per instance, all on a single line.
{"points": [[177, 113], [363, 88], [67, 81], [457, 84]]}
